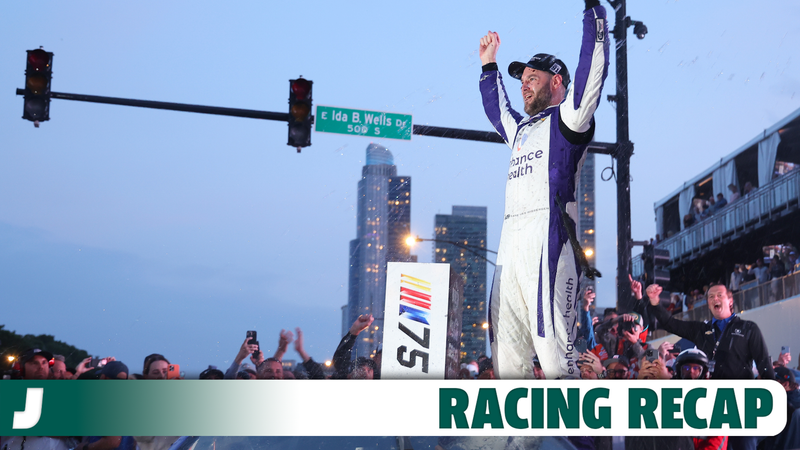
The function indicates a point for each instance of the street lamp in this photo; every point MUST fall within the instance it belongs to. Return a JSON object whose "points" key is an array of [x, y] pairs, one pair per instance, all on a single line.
{"points": [[411, 241]]}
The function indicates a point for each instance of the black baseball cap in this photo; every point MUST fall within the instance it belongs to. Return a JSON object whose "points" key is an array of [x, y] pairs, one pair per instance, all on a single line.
{"points": [[544, 62], [783, 374], [113, 369], [31, 352]]}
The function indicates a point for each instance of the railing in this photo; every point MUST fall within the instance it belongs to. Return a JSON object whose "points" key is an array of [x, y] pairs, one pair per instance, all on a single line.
{"points": [[764, 294], [732, 219]]}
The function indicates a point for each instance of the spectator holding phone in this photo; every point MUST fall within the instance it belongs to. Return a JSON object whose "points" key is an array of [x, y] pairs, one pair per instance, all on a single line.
{"points": [[247, 349], [591, 367], [586, 328]]}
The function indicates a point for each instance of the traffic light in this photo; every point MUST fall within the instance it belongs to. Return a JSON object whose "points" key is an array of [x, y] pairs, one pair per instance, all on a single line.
{"points": [[300, 118], [38, 75], [656, 261]]}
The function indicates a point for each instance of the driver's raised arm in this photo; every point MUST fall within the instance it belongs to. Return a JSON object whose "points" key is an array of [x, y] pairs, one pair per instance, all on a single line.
{"points": [[583, 95], [495, 99]]}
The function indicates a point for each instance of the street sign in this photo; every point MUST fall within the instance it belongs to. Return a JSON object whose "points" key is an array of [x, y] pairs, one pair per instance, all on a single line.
{"points": [[359, 122]]}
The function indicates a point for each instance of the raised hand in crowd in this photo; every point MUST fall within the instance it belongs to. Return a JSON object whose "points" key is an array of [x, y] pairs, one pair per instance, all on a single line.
{"points": [[588, 298], [257, 357], [343, 353], [653, 293], [663, 350], [313, 369], [636, 288], [298, 345], [286, 338], [362, 323], [245, 350], [82, 368]]}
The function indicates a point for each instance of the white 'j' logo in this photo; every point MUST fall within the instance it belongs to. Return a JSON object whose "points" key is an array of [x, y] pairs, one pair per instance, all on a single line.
{"points": [[33, 410]]}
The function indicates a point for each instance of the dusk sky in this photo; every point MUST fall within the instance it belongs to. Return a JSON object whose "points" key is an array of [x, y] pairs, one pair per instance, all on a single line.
{"points": [[128, 231]]}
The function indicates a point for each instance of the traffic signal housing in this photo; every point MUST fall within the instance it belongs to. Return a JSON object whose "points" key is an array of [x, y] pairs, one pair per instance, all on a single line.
{"points": [[656, 262], [300, 118], [38, 76]]}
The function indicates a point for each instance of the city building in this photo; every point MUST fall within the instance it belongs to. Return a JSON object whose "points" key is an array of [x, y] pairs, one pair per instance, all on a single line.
{"points": [[383, 222], [467, 228], [585, 226]]}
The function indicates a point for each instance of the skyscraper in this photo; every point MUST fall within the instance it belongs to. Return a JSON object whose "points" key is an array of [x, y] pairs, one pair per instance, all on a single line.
{"points": [[466, 227], [585, 225], [383, 223]]}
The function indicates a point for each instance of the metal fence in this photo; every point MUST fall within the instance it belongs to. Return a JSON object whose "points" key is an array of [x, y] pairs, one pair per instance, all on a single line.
{"points": [[763, 294], [763, 204]]}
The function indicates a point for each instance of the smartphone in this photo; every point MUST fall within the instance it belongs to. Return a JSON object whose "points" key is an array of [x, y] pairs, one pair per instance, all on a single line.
{"points": [[174, 371], [651, 354], [257, 353], [97, 362], [676, 349], [252, 336], [580, 345]]}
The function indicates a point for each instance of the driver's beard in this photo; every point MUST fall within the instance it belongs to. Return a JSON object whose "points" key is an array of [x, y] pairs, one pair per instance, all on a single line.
{"points": [[541, 101]]}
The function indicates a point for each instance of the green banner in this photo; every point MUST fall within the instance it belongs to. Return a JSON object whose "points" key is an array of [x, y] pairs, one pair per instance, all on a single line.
{"points": [[359, 122], [391, 408]]}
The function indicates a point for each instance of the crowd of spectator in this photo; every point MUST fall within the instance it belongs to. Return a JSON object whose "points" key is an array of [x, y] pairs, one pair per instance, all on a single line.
{"points": [[726, 347], [612, 347], [704, 208]]}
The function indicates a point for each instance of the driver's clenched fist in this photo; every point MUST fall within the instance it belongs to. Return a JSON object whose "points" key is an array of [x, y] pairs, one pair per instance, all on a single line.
{"points": [[488, 48]]}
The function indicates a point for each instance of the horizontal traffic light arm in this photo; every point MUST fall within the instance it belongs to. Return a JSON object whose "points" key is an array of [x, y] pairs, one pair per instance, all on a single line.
{"points": [[234, 112], [421, 130]]}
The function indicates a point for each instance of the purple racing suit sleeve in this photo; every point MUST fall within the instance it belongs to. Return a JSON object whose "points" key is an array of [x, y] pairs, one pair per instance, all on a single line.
{"points": [[497, 107], [583, 96]]}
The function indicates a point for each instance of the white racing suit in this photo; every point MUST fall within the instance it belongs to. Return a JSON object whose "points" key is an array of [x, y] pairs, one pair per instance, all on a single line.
{"points": [[534, 298]]}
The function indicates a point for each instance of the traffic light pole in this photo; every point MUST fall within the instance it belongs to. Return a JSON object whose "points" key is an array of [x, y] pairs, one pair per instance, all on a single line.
{"points": [[622, 155]]}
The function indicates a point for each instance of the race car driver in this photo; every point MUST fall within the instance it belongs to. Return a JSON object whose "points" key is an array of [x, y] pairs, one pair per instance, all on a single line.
{"points": [[533, 305]]}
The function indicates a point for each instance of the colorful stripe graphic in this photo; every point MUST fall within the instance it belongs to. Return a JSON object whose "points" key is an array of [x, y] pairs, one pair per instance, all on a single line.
{"points": [[415, 299]]}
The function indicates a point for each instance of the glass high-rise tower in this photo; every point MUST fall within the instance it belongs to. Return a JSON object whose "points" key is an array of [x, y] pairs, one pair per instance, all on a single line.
{"points": [[467, 227], [585, 225], [383, 223]]}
